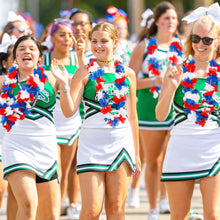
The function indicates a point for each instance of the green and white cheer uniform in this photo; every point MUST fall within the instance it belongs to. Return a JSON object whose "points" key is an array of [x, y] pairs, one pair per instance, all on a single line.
{"points": [[193, 151], [102, 148], [31, 143], [146, 103]]}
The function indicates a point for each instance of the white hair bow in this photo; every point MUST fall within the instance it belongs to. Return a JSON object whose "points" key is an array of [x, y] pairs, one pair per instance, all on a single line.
{"points": [[6, 42], [12, 16], [213, 11], [145, 15], [118, 52], [47, 43]]}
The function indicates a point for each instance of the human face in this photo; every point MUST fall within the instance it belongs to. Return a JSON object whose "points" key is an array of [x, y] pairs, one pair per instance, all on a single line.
{"points": [[122, 29], [62, 39], [81, 24], [20, 29], [167, 22], [202, 51], [102, 45], [27, 55]]}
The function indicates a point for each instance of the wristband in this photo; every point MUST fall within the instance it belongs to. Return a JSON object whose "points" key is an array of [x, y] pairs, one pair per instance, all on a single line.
{"points": [[152, 82], [65, 90]]}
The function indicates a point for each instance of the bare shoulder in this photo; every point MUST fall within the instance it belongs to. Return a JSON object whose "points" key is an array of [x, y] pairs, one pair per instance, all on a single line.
{"points": [[140, 46], [130, 72]]}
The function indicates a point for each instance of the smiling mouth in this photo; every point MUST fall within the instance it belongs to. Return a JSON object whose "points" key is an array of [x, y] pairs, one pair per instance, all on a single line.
{"points": [[27, 59], [201, 50]]}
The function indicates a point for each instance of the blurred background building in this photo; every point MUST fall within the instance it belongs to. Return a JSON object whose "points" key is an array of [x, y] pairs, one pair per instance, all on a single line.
{"points": [[44, 11]]}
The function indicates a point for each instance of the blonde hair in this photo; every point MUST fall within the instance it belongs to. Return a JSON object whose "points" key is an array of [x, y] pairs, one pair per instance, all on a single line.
{"points": [[107, 27], [187, 49]]}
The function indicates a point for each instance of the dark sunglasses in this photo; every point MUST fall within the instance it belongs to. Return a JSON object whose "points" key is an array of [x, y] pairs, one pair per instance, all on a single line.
{"points": [[205, 40], [62, 20]]}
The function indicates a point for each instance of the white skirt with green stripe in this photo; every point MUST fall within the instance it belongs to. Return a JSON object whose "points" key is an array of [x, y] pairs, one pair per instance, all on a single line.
{"points": [[67, 129], [193, 152], [31, 145], [104, 149]]}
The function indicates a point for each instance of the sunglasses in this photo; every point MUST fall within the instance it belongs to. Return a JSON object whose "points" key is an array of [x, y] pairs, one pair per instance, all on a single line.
{"points": [[205, 40], [62, 20], [20, 29]]}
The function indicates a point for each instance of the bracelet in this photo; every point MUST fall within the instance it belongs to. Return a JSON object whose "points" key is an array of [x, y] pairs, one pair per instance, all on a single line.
{"points": [[65, 90], [152, 82]]}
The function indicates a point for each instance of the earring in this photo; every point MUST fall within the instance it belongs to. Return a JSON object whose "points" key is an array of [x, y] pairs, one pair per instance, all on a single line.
{"points": [[4, 66]]}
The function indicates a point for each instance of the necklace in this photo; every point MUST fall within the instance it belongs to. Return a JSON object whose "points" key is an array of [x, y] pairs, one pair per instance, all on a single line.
{"points": [[16, 107], [105, 61], [112, 106], [199, 111], [174, 55]]}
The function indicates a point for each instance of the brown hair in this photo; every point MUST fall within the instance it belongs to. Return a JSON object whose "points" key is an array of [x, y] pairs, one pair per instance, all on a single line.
{"points": [[158, 11], [187, 49], [27, 37], [8, 29], [108, 27]]}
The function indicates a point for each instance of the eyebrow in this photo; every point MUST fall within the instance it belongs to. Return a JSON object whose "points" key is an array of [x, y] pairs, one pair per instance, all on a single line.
{"points": [[22, 46], [63, 32]]}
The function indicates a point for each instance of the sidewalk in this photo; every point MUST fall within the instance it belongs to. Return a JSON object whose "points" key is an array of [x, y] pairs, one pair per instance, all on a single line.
{"points": [[139, 213]]}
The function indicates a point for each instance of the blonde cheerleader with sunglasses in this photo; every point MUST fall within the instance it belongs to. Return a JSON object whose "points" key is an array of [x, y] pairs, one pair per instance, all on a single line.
{"points": [[193, 152]]}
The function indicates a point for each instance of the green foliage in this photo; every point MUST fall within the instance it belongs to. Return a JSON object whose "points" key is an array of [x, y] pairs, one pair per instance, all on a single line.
{"points": [[49, 9]]}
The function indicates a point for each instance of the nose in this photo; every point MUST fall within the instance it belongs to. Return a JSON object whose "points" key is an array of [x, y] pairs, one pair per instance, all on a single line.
{"points": [[67, 36], [27, 50], [200, 42]]}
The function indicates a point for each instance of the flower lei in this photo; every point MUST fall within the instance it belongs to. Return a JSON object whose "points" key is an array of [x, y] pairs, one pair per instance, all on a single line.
{"points": [[112, 117], [13, 108], [174, 55], [191, 97]]}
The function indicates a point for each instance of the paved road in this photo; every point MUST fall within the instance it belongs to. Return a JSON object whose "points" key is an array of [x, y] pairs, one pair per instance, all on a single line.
{"points": [[131, 213]]}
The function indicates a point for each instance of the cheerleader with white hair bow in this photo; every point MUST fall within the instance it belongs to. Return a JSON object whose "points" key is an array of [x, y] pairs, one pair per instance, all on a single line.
{"points": [[193, 152], [16, 26]]}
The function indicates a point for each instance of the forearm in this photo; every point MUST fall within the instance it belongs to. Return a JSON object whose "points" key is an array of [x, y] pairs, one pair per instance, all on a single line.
{"points": [[135, 133], [164, 104], [144, 83], [66, 103], [81, 60]]}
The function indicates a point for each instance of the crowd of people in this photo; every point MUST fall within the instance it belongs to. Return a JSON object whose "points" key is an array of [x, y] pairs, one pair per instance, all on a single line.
{"points": [[82, 108]]}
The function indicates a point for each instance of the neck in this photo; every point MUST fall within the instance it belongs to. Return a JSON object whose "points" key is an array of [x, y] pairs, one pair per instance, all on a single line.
{"points": [[60, 55], [201, 60], [105, 61], [108, 65], [24, 74], [164, 38]]}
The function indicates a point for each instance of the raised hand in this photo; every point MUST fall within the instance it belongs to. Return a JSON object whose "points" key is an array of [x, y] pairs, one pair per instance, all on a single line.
{"points": [[174, 74], [80, 45], [61, 75]]}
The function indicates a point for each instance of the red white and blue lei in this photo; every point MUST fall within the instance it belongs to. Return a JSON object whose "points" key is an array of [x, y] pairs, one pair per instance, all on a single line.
{"points": [[16, 107], [117, 114], [175, 55], [199, 111]]}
